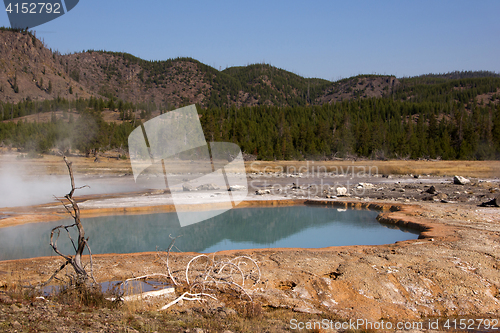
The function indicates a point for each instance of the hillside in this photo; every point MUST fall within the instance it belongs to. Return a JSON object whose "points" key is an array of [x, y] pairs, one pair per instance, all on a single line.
{"points": [[31, 71], [268, 85], [362, 86], [179, 81], [123, 76], [91, 101]]}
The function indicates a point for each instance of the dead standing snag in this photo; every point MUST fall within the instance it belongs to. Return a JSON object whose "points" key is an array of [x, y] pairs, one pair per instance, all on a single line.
{"points": [[74, 260]]}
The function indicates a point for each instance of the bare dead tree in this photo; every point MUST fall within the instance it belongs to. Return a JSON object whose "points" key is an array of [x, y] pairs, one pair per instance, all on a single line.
{"points": [[73, 260]]}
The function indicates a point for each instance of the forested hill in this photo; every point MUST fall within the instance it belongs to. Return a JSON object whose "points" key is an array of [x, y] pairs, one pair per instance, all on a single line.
{"points": [[91, 101], [29, 70], [453, 119]]}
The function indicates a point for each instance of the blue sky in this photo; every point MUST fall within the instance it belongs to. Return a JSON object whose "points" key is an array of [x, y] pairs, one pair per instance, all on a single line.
{"points": [[326, 39]]}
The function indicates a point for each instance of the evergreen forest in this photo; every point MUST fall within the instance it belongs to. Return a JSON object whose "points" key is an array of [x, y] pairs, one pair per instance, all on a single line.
{"points": [[429, 117]]}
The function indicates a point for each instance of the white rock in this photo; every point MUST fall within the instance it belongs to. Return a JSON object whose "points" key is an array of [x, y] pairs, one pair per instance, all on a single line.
{"points": [[188, 188], [365, 185], [207, 187], [262, 192], [341, 191], [237, 188], [459, 180]]}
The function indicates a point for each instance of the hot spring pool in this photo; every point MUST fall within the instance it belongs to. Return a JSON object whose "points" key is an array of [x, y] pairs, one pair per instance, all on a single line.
{"points": [[242, 228]]}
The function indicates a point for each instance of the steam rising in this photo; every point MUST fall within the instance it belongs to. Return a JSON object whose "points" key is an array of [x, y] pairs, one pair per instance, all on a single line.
{"points": [[18, 187]]}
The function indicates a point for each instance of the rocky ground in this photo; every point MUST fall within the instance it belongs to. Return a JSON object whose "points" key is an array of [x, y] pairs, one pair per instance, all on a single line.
{"points": [[451, 272]]}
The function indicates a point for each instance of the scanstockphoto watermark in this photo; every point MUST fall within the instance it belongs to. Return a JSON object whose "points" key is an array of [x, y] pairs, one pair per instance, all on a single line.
{"points": [[357, 324], [29, 14], [311, 170], [170, 151], [305, 189], [312, 180]]}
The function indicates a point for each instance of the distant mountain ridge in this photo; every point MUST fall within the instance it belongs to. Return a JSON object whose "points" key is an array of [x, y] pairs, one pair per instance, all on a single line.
{"points": [[31, 71], [91, 101], [461, 75]]}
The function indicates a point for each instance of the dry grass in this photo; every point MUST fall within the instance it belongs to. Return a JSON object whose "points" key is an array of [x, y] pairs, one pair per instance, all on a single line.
{"points": [[83, 295], [11, 285], [480, 169], [110, 165], [45, 117], [54, 165]]}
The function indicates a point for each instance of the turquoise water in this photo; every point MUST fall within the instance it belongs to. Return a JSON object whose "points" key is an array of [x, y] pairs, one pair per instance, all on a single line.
{"points": [[242, 228]]}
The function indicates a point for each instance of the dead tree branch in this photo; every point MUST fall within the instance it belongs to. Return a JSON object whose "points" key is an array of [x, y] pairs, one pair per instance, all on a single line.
{"points": [[172, 244], [81, 243], [187, 297], [205, 277], [216, 275]]}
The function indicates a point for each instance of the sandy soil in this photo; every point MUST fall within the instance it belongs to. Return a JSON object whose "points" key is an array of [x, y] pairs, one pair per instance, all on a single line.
{"points": [[452, 270]]}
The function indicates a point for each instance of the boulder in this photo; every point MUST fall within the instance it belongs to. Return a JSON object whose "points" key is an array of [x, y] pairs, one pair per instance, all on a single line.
{"points": [[431, 190], [188, 188], [440, 196], [262, 192], [495, 202], [207, 187], [459, 180], [341, 191]]}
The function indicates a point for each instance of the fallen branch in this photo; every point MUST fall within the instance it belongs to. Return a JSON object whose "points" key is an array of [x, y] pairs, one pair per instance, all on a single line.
{"points": [[190, 297], [145, 277], [257, 280], [214, 274], [193, 259], [206, 276], [172, 244]]}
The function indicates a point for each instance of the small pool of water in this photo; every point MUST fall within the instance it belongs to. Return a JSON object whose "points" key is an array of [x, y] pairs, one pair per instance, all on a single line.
{"points": [[242, 228], [118, 287]]}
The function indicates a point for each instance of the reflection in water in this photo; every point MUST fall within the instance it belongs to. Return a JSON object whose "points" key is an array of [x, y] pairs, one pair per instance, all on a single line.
{"points": [[243, 228]]}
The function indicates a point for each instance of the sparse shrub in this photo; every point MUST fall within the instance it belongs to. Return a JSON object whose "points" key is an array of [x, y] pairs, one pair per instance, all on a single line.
{"points": [[75, 75], [33, 154], [250, 309], [86, 295]]}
